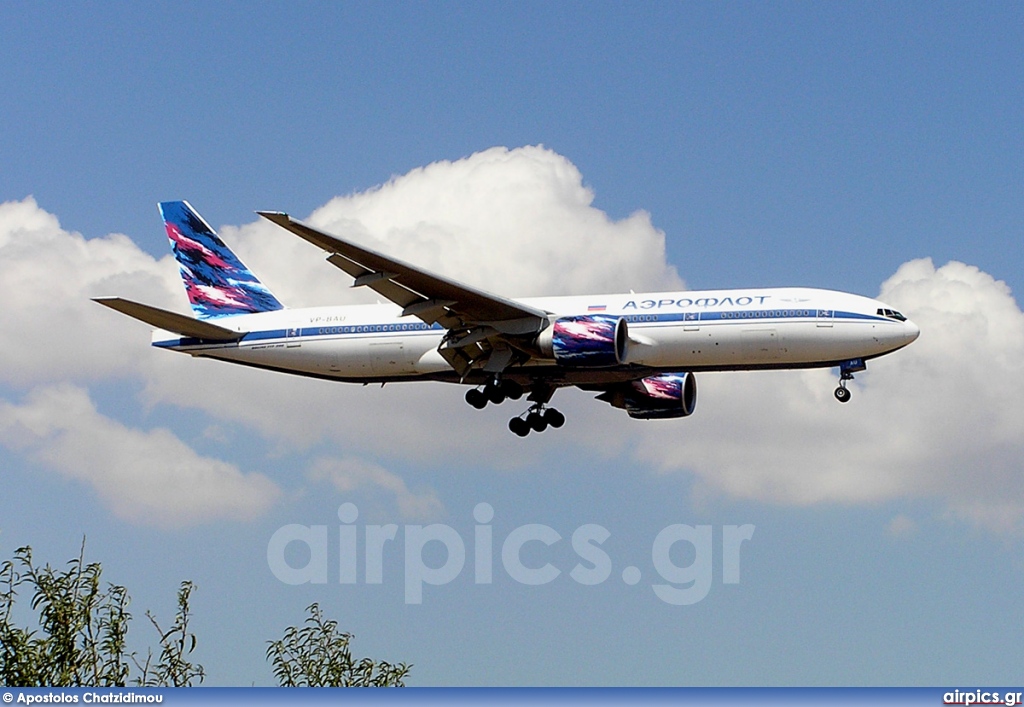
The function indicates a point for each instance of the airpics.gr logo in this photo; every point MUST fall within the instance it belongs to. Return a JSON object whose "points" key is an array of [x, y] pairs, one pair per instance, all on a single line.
{"points": [[678, 584]]}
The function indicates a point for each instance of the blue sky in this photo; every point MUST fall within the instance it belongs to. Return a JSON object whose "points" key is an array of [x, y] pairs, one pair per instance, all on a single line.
{"points": [[816, 144]]}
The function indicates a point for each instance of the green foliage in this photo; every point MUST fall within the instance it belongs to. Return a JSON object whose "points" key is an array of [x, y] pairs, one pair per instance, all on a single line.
{"points": [[82, 638], [172, 669], [318, 655], [83, 631]]}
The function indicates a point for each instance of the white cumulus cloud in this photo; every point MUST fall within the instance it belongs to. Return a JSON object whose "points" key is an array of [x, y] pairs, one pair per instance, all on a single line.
{"points": [[349, 475], [942, 419], [515, 222], [149, 477], [47, 275]]}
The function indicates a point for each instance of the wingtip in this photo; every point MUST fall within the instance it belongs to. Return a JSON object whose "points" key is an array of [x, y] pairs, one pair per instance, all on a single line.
{"points": [[277, 217]]}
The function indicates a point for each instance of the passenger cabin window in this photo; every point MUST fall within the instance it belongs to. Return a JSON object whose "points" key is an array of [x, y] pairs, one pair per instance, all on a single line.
{"points": [[892, 314]]}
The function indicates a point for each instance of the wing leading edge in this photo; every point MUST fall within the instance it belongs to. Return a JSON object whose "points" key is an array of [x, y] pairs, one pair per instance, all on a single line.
{"points": [[484, 330]]}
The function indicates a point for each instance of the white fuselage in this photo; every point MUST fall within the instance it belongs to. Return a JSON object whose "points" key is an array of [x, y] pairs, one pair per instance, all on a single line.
{"points": [[673, 331]]}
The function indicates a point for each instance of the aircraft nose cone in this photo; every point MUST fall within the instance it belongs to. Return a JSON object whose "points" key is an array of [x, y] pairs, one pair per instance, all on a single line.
{"points": [[912, 331]]}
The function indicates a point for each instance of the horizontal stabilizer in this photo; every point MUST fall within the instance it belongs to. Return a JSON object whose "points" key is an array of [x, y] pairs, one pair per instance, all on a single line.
{"points": [[171, 321]]}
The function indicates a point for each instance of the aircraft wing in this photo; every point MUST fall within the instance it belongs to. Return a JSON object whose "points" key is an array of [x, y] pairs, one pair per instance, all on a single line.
{"points": [[430, 297], [170, 321], [481, 325]]}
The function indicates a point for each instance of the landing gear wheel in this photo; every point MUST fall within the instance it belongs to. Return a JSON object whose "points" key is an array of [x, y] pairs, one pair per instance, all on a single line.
{"points": [[518, 426], [846, 371], [476, 398], [539, 417], [536, 422], [494, 394], [554, 418]]}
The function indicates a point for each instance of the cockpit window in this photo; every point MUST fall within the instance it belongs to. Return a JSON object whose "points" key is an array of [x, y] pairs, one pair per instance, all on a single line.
{"points": [[892, 314]]}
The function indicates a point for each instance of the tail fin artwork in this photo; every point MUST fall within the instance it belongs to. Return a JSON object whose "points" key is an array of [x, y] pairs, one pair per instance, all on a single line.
{"points": [[217, 282]]}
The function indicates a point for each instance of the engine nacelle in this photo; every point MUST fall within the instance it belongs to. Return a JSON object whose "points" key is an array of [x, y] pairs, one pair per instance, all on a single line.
{"points": [[663, 396], [586, 341]]}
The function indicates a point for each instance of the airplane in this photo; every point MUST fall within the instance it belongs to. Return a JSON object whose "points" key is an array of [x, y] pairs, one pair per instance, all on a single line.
{"points": [[638, 352]]}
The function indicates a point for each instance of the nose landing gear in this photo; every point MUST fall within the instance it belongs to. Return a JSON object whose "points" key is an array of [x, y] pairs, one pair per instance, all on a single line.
{"points": [[842, 393], [846, 371]]}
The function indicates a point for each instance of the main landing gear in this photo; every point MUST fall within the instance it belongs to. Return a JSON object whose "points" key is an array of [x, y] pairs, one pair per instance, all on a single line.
{"points": [[496, 391], [537, 418], [846, 371]]}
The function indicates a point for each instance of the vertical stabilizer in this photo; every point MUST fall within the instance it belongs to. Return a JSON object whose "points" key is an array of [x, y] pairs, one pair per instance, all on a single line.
{"points": [[217, 282]]}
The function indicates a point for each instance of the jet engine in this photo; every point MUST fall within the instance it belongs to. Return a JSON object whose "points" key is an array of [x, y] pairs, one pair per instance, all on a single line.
{"points": [[659, 397], [586, 341]]}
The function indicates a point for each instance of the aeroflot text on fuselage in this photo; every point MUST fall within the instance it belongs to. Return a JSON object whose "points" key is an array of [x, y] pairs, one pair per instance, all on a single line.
{"points": [[638, 352], [687, 302]]}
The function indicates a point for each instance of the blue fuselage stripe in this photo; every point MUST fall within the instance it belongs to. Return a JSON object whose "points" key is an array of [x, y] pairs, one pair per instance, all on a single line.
{"points": [[696, 318]]}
